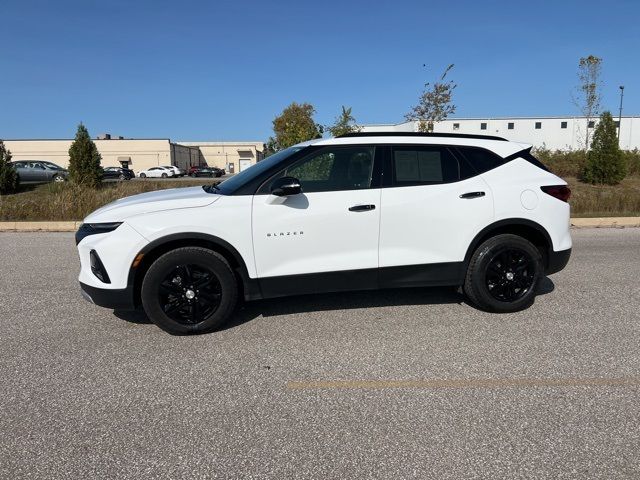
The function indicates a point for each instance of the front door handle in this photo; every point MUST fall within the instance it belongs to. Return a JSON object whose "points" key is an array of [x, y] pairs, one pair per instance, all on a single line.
{"points": [[472, 195], [362, 208]]}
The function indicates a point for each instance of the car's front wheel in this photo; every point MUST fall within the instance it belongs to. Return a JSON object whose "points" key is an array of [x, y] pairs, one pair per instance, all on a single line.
{"points": [[58, 179], [189, 290], [503, 274], [164, 175]]}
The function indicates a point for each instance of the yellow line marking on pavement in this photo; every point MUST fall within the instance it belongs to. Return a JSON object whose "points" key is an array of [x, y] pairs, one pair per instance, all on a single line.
{"points": [[462, 383]]}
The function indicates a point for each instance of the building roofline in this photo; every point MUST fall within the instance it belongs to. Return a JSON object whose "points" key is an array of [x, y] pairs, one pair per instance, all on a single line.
{"points": [[72, 139]]}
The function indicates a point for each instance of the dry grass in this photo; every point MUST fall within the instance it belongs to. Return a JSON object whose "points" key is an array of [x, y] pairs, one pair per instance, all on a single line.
{"points": [[605, 200], [69, 202]]}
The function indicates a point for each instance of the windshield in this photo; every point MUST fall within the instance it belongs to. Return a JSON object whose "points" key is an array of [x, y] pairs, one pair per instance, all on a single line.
{"points": [[232, 184]]}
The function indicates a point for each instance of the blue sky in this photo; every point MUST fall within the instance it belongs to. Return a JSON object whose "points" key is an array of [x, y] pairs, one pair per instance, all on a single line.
{"points": [[221, 70]]}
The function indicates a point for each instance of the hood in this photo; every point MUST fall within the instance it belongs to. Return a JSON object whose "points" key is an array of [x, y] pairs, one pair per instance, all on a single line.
{"points": [[159, 200]]}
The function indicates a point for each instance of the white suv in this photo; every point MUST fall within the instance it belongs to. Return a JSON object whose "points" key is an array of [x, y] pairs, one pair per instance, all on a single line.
{"points": [[362, 211]]}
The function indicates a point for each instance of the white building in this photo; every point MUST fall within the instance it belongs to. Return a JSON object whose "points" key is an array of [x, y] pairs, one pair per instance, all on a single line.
{"points": [[554, 133]]}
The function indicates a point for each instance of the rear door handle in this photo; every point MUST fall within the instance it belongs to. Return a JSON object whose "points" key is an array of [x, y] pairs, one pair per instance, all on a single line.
{"points": [[472, 195], [362, 208]]}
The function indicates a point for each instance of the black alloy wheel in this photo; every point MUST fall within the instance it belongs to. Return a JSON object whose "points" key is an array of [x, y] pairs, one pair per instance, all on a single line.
{"points": [[189, 290], [510, 274], [503, 274], [189, 294]]}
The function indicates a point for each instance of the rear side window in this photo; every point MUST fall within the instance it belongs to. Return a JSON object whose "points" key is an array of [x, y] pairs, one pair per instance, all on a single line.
{"points": [[417, 165], [481, 160]]}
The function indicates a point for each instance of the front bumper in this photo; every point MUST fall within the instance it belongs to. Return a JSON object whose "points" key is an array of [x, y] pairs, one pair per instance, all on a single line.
{"points": [[557, 261], [120, 299]]}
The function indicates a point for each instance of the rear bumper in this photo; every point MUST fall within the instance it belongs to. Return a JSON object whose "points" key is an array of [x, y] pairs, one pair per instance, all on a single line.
{"points": [[557, 261], [116, 299]]}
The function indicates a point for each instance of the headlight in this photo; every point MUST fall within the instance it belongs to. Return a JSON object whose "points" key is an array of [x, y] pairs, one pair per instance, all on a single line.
{"points": [[87, 229]]}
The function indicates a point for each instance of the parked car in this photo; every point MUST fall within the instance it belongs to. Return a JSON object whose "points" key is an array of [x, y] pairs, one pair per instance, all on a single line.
{"points": [[39, 171], [178, 172], [207, 172], [362, 211], [195, 168], [119, 173], [157, 172]]}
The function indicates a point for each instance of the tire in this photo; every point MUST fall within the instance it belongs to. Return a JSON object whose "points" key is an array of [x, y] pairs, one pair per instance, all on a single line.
{"points": [[175, 276], [164, 175], [193, 175], [58, 178], [503, 274], [122, 176], [143, 175]]}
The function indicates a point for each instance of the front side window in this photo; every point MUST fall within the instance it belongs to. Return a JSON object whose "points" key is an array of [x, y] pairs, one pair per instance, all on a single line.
{"points": [[334, 169], [424, 166]]}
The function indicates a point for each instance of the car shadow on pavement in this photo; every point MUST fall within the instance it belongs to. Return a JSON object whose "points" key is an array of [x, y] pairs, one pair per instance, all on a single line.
{"points": [[248, 311]]}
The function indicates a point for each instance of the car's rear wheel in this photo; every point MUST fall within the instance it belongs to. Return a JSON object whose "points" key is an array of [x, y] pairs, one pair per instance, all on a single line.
{"points": [[189, 290], [164, 175], [503, 274], [143, 175]]}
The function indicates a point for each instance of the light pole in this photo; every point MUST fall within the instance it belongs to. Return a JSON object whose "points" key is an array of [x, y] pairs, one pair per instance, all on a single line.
{"points": [[620, 113]]}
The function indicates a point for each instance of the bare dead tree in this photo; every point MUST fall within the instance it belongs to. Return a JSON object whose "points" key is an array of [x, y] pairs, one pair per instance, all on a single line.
{"points": [[435, 103]]}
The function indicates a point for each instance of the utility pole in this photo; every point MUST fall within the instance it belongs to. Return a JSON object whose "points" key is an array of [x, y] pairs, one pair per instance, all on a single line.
{"points": [[620, 113]]}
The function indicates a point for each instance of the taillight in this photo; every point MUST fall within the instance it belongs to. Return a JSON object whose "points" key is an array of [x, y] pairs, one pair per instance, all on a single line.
{"points": [[561, 192]]}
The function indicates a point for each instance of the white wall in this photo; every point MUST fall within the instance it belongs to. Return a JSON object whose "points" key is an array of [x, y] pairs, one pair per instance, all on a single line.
{"points": [[550, 135]]}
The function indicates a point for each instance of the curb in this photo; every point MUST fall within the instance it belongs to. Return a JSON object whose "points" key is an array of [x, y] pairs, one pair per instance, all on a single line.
{"points": [[604, 222], [39, 226]]}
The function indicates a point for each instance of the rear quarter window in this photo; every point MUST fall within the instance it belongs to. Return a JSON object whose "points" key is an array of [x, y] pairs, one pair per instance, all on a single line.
{"points": [[480, 159]]}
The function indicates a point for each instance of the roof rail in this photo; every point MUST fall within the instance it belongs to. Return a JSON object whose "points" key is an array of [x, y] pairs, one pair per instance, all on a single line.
{"points": [[420, 134]]}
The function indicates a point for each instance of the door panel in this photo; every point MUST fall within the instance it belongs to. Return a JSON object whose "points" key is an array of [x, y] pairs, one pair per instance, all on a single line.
{"points": [[319, 230], [431, 223], [433, 207], [315, 232]]}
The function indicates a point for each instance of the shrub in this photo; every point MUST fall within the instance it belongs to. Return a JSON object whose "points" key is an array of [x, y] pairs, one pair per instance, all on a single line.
{"points": [[632, 160], [84, 160], [605, 161], [569, 163], [8, 175]]}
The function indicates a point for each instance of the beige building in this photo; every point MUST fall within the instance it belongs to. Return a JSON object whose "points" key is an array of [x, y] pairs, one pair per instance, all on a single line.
{"points": [[141, 154], [232, 156]]}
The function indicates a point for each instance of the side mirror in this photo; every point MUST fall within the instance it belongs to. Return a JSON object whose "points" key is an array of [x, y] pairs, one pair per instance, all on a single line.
{"points": [[285, 186]]}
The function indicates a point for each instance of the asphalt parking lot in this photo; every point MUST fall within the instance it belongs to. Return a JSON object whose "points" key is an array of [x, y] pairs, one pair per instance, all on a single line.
{"points": [[393, 384]]}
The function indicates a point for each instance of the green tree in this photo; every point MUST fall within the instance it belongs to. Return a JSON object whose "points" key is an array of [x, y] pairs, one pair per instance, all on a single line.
{"points": [[435, 103], [588, 91], [8, 175], [605, 161], [294, 125], [84, 160], [345, 123]]}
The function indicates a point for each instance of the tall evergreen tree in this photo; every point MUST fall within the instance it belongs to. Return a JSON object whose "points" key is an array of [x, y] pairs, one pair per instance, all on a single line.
{"points": [[84, 160], [8, 175], [605, 162]]}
